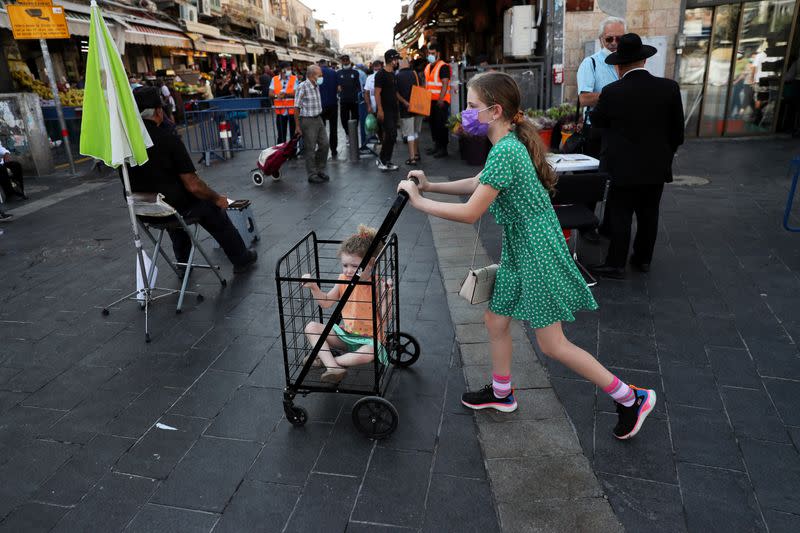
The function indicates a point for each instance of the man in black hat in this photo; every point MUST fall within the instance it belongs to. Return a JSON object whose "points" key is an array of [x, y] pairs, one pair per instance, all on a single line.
{"points": [[388, 108], [643, 120], [170, 171]]}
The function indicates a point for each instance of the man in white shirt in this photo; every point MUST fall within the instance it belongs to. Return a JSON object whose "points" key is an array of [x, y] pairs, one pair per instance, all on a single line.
{"points": [[369, 87], [11, 175]]}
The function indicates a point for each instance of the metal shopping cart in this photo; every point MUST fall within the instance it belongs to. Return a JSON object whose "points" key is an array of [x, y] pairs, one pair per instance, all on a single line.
{"points": [[372, 414]]}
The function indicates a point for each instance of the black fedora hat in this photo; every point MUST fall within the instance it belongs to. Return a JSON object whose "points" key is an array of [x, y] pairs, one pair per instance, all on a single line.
{"points": [[630, 50]]}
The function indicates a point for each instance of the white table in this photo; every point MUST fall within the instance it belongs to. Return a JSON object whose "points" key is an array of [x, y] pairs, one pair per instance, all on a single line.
{"points": [[562, 163]]}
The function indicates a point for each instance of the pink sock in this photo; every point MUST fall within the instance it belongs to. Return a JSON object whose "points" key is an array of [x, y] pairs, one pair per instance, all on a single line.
{"points": [[621, 392], [501, 385]]}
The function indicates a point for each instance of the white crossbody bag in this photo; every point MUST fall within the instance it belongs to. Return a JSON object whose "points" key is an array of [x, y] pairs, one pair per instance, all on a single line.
{"points": [[478, 285]]}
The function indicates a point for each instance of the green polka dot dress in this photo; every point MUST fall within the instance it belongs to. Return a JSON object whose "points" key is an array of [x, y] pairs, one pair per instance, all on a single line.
{"points": [[537, 280]]}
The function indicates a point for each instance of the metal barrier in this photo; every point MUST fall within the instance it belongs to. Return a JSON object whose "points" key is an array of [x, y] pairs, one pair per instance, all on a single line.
{"points": [[530, 78], [53, 129], [223, 126]]}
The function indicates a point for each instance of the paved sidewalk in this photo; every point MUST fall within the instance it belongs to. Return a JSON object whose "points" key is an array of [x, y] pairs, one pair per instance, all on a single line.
{"points": [[81, 395], [714, 329]]}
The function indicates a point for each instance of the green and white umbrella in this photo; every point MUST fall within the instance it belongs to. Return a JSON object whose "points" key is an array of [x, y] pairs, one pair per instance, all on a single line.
{"points": [[111, 128]]}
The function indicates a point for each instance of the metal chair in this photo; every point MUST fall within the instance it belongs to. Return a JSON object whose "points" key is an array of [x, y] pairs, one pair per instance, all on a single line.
{"points": [[794, 166], [153, 213], [573, 193]]}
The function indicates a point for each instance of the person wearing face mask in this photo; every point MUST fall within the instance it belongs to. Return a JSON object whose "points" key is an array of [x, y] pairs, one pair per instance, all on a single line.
{"points": [[437, 81], [348, 85], [388, 109], [309, 124], [281, 90]]}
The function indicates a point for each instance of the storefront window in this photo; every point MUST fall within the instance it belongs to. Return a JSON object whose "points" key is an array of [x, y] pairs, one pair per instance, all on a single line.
{"points": [[763, 44], [723, 35], [697, 29]]}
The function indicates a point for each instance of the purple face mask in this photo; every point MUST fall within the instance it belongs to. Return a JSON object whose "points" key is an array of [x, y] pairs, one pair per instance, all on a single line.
{"points": [[471, 123]]}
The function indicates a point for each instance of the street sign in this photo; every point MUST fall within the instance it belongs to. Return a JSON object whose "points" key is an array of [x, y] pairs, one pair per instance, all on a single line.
{"points": [[37, 21]]}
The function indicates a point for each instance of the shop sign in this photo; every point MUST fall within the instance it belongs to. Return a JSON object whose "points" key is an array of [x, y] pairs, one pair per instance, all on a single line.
{"points": [[37, 21]]}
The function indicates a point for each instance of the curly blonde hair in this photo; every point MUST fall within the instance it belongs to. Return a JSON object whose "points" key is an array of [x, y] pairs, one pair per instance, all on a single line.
{"points": [[498, 88], [358, 243]]}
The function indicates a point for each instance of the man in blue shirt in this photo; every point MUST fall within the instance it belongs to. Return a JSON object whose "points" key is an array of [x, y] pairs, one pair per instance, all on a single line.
{"points": [[594, 74], [330, 105], [350, 83]]}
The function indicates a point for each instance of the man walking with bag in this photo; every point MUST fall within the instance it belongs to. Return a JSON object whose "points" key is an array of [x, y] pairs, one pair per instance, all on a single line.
{"points": [[410, 123], [642, 116]]}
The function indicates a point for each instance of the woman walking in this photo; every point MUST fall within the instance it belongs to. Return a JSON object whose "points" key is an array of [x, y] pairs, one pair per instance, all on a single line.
{"points": [[537, 280]]}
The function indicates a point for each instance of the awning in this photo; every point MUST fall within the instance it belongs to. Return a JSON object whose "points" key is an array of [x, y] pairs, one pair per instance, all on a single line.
{"points": [[253, 47], [219, 46], [139, 34], [422, 8], [282, 53], [302, 55]]}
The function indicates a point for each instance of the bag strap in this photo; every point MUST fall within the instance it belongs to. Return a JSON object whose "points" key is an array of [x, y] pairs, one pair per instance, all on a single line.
{"points": [[477, 239]]}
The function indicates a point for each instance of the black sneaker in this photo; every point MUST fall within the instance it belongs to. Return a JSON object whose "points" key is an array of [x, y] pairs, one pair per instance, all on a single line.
{"points": [[631, 418], [5, 217], [485, 399], [316, 178], [252, 257]]}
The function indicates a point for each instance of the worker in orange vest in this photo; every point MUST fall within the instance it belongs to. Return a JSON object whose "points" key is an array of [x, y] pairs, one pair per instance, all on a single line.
{"points": [[437, 81], [281, 90]]}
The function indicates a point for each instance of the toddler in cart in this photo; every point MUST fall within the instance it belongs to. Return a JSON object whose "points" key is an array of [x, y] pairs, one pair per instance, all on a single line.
{"points": [[354, 336]]}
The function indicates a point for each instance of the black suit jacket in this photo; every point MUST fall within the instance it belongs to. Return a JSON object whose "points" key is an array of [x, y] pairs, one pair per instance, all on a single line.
{"points": [[642, 120]]}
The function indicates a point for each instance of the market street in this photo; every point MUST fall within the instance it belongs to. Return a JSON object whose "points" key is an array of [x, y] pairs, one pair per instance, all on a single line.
{"points": [[101, 431]]}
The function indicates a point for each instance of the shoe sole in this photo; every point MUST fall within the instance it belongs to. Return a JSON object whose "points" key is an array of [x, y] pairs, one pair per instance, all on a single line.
{"points": [[646, 409], [502, 407]]}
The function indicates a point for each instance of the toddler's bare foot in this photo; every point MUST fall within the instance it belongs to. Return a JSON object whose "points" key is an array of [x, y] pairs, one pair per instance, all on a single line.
{"points": [[333, 375]]}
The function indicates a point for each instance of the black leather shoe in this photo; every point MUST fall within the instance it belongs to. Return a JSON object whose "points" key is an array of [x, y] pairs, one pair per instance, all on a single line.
{"points": [[605, 271], [638, 265], [324, 176], [316, 178], [252, 257], [440, 154]]}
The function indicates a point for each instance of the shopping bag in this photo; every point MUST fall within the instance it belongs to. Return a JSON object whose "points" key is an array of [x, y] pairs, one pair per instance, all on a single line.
{"points": [[420, 103], [140, 277]]}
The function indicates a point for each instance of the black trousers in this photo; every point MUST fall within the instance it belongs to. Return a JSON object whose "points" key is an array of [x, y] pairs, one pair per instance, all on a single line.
{"points": [[389, 131], [282, 123], [215, 221], [330, 117], [623, 202], [11, 179], [348, 111], [438, 123]]}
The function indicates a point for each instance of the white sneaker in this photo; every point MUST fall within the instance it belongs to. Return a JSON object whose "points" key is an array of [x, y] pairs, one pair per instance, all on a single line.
{"points": [[392, 166], [381, 166]]}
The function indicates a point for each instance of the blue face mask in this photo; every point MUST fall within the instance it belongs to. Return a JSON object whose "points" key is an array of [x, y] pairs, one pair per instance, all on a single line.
{"points": [[472, 124], [431, 58], [320, 81]]}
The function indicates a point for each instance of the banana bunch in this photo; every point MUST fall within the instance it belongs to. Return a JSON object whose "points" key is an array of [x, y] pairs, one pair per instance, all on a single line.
{"points": [[73, 98], [31, 84]]}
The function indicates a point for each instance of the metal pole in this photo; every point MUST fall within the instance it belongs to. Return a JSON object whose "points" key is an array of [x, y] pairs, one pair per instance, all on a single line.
{"points": [[51, 75], [352, 132]]}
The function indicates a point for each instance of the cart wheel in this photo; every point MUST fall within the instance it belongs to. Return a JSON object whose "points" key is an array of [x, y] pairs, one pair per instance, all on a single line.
{"points": [[296, 415], [403, 350], [257, 177], [375, 417], [105, 312], [276, 176]]}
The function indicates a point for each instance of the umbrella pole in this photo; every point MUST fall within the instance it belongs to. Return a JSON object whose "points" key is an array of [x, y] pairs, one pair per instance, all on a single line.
{"points": [[137, 242]]}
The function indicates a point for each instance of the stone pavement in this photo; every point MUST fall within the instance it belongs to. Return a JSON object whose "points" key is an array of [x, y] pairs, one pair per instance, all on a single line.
{"points": [[714, 328], [100, 431]]}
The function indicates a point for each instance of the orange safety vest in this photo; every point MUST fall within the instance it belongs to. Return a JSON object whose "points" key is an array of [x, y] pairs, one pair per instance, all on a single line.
{"points": [[433, 82], [285, 102]]}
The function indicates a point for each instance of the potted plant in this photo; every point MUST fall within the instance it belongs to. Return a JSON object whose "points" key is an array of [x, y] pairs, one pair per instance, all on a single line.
{"points": [[543, 123], [474, 150]]}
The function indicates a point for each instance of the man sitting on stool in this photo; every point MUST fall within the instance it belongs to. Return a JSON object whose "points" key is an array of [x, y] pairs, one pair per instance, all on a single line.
{"points": [[170, 171]]}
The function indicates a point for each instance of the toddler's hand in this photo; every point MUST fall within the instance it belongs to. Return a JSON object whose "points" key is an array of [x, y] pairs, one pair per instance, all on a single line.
{"points": [[308, 285]]}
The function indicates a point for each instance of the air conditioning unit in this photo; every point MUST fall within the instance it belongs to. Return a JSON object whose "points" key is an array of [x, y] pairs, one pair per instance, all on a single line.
{"points": [[188, 13], [293, 40], [519, 31], [262, 31], [205, 7], [271, 33]]}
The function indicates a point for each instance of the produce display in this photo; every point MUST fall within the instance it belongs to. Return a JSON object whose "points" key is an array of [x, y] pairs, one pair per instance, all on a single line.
{"points": [[26, 82]]}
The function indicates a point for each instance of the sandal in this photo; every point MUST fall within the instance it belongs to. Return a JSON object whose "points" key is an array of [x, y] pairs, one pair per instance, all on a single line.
{"points": [[412, 162]]}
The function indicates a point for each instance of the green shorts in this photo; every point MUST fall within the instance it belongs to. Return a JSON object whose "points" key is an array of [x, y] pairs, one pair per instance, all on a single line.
{"points": [[354, 342]]}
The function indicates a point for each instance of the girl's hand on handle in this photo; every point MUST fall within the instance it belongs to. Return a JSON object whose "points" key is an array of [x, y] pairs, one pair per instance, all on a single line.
{"points": [[411, 189], [422, 180], [308, 285]]}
